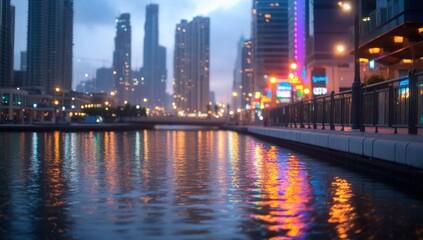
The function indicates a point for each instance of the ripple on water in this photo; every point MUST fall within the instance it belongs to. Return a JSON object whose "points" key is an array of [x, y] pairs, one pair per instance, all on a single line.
{"points": [[197, 184]]}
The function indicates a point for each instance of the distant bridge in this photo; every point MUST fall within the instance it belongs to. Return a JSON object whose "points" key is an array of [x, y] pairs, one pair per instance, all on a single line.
{"points": [[190, 121]]}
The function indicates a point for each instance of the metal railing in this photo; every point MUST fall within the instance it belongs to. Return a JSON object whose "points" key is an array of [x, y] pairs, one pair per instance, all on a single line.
{"points": [[396, 103]]}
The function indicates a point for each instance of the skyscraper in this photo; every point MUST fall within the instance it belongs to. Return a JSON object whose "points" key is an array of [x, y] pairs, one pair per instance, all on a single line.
{"points": [[296, 35], [247, 73], [270, 41], [327, 69], [7, 32], [154, 68], [237, 85], [122, 59], [181, 66], [49, 45], [191, 65]]}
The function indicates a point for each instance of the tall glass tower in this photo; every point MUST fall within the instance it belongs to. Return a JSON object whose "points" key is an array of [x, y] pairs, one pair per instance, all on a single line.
{"points": [[7, 20], [269, 41], [49, 45], [191, 65], [154, 68], [122, 59]]}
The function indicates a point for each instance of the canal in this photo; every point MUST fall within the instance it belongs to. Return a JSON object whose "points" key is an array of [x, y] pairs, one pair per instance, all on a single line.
{"points": [[188, 184]]}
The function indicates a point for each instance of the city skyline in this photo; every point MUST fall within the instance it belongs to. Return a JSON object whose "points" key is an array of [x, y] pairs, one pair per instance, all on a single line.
{"points": [[94, 32]]}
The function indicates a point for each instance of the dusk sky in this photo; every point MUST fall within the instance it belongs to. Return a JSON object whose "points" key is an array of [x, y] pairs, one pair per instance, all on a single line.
{"points": [[94, 32]]}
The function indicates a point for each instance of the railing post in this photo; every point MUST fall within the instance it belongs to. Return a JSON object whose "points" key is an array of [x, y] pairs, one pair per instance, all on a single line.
{"points": [[288, 110], [412, 106], [391, 106], [295, 115], [343, 105], [375, 110], [361, 109], [286, 116], [332, 111], [301, 114], [324, 113], [314, 112]]}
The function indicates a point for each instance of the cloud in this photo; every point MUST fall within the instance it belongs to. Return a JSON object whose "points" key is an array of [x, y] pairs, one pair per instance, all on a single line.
{"points": [[207, 7]]}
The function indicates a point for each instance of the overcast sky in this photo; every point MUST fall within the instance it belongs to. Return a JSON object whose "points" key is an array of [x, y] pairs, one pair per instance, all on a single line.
{"points": [[94, 31]]}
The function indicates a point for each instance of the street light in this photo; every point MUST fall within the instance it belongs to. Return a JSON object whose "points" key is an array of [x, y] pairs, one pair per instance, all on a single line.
{"points": [[356, 108], [293, 66], [340, 49]]}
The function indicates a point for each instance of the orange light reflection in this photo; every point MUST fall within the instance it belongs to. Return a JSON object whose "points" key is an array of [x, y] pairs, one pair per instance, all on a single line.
{"points": [[342, 212], [287, 190]]}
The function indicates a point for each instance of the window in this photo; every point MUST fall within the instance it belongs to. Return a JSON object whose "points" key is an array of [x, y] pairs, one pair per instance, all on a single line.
{"points": [[5, 99]]}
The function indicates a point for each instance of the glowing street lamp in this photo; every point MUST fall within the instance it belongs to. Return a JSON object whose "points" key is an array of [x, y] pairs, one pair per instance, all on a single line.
{"points": [[346, 6], [340, 49], [293, 66]]}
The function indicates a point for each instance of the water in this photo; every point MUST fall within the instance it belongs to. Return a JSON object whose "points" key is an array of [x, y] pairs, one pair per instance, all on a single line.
{"points": [[191, 184]]}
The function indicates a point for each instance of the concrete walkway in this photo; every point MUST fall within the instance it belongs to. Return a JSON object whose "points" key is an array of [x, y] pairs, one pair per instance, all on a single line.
{"points": [[396, 148]]}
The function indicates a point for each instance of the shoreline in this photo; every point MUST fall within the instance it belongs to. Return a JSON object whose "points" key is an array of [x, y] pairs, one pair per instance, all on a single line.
{"points": [[72, 127]]}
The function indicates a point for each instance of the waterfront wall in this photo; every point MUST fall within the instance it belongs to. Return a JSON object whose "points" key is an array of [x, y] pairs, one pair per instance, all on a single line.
{"points": [[404, 151]]}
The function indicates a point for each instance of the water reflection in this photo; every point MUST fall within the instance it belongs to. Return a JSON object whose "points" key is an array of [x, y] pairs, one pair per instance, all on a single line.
{"points": [[187, 184], [284, 194], [342, 212]]}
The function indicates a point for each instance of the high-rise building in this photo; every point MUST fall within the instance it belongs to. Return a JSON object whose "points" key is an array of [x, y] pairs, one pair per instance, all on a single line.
{"points": [[247, 73], [104, 81], [191, 66], [49, 45], [237, 74], [122, 59], [154, 68], [7, 32], [296, 35], [327, 32], [181, 66], [270, 41]]}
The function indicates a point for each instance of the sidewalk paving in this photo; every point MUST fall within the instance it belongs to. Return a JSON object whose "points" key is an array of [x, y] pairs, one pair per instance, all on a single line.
{"points": [[383, 133]]}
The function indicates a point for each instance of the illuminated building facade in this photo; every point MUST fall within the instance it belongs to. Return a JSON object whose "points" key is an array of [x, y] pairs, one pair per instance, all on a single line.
{"points": [[181, 67], [7, 29], [247, 74], [154, 68], [49, 45], [237, 74], [191, 66], [269, 41], [122, 59], [297, 46], [328, 63]]}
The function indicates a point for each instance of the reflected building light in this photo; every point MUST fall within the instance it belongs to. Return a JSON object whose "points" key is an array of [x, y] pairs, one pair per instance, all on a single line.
{"points": [[35, 154], [285, 185], [342, 212]]}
